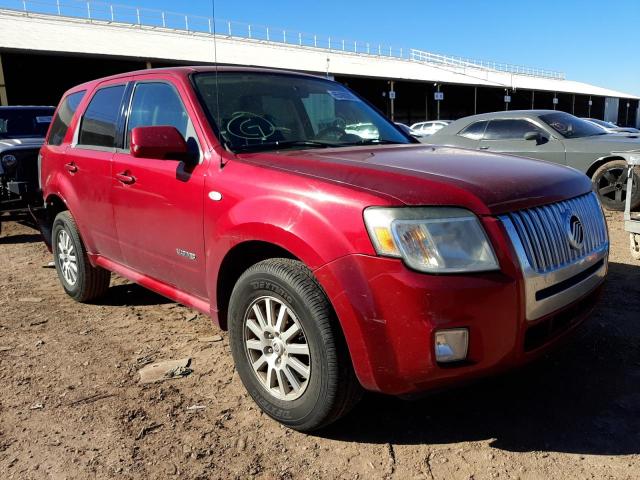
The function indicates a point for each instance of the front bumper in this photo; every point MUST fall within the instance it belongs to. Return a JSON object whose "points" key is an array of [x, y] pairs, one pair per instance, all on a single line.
{"points": [[389, 315]]}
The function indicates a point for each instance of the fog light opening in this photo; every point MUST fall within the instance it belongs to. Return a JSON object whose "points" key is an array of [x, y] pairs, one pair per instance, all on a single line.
{"points": [[451, 345]]}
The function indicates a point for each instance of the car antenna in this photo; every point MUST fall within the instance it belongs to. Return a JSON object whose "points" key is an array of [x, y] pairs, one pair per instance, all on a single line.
{"points": [[215, 66]]}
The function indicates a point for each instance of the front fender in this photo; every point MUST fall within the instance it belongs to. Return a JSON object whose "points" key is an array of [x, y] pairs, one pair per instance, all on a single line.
{"points": [[294, 225]]}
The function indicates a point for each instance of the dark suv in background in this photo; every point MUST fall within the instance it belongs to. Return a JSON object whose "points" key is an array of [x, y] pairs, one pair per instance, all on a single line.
{"points": [[22, 131]]}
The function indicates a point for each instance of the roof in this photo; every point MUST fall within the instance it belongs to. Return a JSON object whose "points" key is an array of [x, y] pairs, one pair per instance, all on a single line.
{"points": [[512, 114], [183, 71]]}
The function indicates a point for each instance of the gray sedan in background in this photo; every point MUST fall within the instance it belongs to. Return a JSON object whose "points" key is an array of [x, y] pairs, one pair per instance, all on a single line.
{"points": [[554, 136], [612, 127]]}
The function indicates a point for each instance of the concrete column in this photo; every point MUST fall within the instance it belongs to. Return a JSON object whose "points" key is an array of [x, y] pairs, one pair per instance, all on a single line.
{"points": [[3, 87], [533, 99], [149, 64]]}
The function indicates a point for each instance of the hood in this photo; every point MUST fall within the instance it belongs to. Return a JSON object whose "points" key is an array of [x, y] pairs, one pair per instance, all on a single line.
{"points": [[608, 142], [485, 183], [20, 143], [626, 131]]}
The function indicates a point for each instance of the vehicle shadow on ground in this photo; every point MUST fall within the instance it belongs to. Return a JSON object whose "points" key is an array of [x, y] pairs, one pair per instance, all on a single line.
{"points": [[584, 398], [131, 295], [20, 238]]}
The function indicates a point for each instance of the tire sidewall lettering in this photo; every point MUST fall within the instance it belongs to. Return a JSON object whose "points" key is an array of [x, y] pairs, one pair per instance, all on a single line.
{"points": [[272, 287]]}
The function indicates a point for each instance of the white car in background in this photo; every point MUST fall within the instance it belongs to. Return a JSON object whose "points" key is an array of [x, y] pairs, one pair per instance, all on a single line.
{"points": [[423, 129], [611, 127]]}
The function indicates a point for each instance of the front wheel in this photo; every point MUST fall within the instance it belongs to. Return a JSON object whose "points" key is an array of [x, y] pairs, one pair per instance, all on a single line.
{"points": [[82, 281], [610, 183], [288, 348]]}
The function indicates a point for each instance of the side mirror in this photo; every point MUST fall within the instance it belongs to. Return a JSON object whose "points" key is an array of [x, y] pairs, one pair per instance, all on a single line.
{"points": [[532, 136], [159, 142]]}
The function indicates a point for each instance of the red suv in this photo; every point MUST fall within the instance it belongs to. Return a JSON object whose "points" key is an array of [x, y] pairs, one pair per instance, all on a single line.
{"points": [[335, 260]]}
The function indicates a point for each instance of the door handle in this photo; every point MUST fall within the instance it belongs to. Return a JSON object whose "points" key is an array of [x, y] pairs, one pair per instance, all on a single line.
{"points": [[71, 167], [484, 148], [125, 178]]}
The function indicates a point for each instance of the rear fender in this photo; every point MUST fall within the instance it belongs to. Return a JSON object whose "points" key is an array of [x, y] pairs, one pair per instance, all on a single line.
{"points": [[60, 186]]}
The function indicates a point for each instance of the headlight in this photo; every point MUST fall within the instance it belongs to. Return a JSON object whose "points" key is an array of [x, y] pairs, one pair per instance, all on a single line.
{"points": [[9, 161], [431, 239]]}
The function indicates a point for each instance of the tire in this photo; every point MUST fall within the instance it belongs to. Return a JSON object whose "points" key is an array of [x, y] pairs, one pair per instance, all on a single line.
{"points": [[330, 389], [634, 245], [86, 282], [610, 183]]}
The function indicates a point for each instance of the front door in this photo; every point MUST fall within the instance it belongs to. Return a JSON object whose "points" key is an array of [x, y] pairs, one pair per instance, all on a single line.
{"points": [[508, 136], [158, 204]]}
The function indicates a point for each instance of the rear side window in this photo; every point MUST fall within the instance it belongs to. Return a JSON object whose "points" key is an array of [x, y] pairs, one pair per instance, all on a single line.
{"points": [[509, 129], [99, 123], [157, 104], [63, 117], [475, 131]]}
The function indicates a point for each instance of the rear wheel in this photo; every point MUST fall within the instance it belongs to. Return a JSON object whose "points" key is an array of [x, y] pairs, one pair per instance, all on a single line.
{"points": [[610, 183], [82, 281], [287, 346]]}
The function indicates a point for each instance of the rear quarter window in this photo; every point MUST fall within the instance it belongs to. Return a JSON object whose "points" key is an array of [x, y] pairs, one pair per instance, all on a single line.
{"points": [[475, 131], [99, 123], [63, 117]]}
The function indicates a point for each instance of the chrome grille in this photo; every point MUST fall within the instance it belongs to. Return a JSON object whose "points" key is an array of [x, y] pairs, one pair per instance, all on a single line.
{"points": [[547, 233]]}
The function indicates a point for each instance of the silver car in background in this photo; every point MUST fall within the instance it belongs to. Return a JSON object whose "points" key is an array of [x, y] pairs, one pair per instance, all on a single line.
{"points": [[611, 127], [424, 129], [553, 136]]}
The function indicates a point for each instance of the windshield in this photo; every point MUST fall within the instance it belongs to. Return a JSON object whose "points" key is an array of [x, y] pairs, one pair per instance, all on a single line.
{"points": [[264, 111], [571, 127], [24, 123]]}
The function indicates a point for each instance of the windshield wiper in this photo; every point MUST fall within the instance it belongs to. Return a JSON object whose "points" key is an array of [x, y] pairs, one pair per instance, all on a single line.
{"points": [[372, 141], [284, 144]]}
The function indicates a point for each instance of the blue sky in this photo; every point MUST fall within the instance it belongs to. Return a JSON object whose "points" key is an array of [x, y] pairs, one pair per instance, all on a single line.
{"points": [[591, 41]]}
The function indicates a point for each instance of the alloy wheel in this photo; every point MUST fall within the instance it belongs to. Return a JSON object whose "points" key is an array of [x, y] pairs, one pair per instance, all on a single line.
{"points": [[67, 260], [613, 184], [277, 348]]}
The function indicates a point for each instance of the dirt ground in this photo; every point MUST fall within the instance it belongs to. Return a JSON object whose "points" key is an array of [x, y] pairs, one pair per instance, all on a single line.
{"points": [[72, 407]]}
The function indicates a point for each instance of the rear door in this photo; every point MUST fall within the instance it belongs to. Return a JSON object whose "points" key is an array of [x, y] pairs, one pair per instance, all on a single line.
{"points": [[87, 164], [159, 214], [507, 136]]}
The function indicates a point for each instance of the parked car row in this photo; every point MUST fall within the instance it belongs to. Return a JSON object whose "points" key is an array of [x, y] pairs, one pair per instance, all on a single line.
{"points": [[340, 253]]}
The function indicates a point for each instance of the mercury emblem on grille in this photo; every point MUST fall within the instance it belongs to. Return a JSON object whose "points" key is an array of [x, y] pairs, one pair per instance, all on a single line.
{"points": [[575, 231]]}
